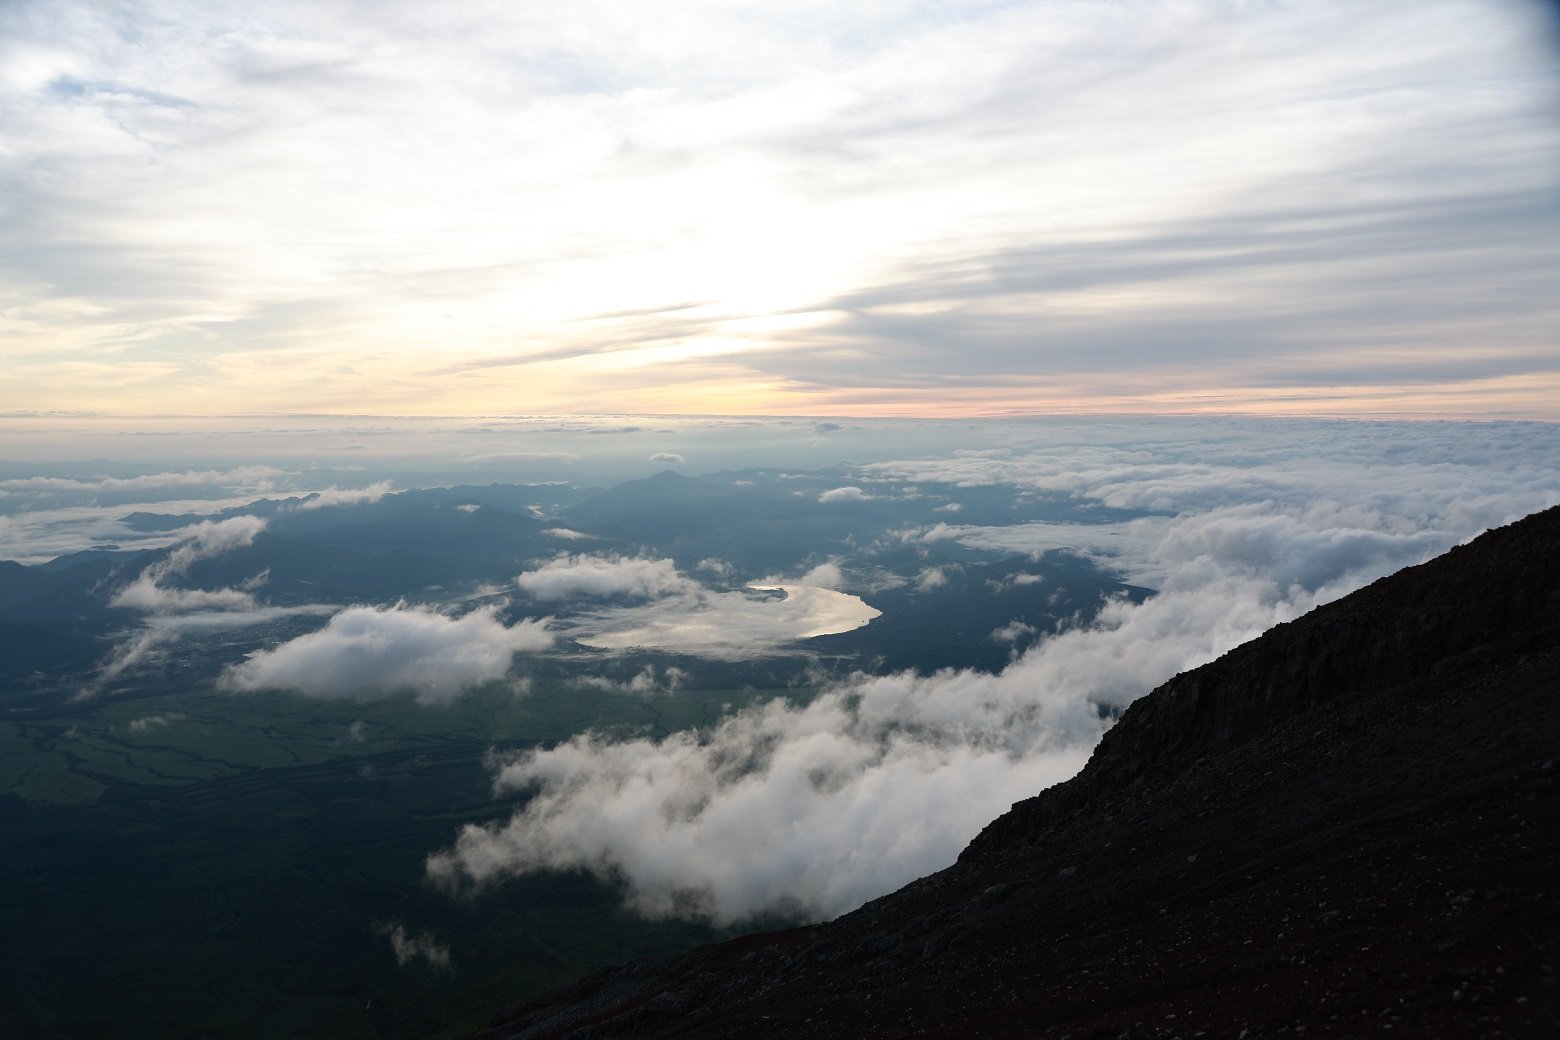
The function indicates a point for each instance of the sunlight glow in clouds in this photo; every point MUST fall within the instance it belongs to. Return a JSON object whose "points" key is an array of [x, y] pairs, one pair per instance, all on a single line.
{"points": [[730, 624], [1324, 206], [676, 612]]}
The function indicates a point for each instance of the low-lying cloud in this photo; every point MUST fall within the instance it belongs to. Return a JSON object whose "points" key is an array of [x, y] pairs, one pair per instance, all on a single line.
{"points": [[147, 723], [409, 947], [570, 577], [210, 620], [812, 808], [825, 575], [206, 540], [643, 683], [137, 649], [145, 594], [931, 578], [170, 608], [568, 534], [369, 653], [335, 496], [252, 477], [1014, 633], [809, 809]]}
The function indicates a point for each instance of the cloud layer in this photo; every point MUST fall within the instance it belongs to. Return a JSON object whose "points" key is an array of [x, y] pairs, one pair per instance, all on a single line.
{"points": [[812, 808], [809, 810], [258, 478], [368, 653]]}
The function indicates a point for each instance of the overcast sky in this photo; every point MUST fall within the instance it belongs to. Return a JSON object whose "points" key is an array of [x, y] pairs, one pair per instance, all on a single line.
{"points": [[809, 208]]}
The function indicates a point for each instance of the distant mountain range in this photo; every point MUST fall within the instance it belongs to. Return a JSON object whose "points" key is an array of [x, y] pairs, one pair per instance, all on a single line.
{"points": [[1349, 826]]}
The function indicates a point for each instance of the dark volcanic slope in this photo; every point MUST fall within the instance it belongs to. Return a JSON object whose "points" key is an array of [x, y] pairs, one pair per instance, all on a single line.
{"points": [[1347, 827]]}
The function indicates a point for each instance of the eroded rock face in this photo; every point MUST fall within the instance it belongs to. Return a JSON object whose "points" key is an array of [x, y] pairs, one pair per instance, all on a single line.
{"points": [[1502, 588], [1350, 823]]}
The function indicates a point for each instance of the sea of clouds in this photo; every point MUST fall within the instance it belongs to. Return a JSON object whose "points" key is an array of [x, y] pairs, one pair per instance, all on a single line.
{"points": [[813, 808]]}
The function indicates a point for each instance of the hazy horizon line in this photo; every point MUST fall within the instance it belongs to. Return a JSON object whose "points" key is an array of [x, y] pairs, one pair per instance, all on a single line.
{"points": [[1355, 416]]}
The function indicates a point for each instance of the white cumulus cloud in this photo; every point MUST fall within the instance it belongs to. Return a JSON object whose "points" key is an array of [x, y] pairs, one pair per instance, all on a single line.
{"points": [[826, 575], [1014, 632], [367, 653], [931, 578], [586, 575], [809, 809], [568, 535], [335, 496]]}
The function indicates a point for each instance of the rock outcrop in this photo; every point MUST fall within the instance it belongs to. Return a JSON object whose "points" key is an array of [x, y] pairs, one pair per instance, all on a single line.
{"points": [[1349, 826]]}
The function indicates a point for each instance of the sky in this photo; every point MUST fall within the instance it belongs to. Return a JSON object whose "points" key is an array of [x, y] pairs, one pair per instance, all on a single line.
{"points": [[880, 208]]}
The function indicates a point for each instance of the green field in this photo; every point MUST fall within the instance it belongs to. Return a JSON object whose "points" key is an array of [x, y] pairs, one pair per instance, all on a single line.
{"points": [[228, 865]]}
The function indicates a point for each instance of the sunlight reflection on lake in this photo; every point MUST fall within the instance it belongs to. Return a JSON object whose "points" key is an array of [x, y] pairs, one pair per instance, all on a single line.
{"points": [[733, 621]]}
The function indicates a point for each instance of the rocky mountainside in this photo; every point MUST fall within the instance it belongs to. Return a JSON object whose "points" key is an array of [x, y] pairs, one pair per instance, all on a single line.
{"points": [[1347, 827]]}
